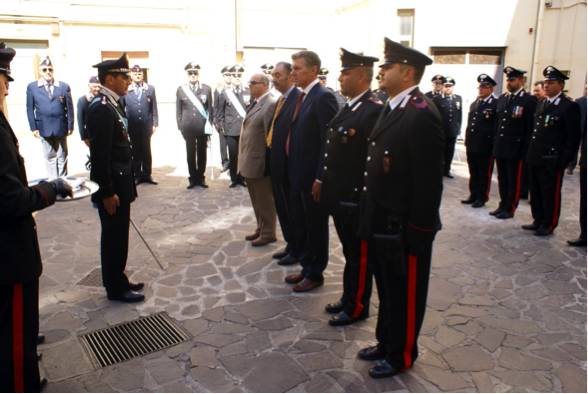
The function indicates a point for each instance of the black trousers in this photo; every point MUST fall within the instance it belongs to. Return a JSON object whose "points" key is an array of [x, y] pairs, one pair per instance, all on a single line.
{"points": [[449, 152], [282, 201], [223, 148], [480, 166], [545, 187], [509, 183], [19, 327], [233, 144], [311, 234], [524, 193], [583, 201], [196, 156], [142, 160], [403, 301], [114, 247], [357, 275]]}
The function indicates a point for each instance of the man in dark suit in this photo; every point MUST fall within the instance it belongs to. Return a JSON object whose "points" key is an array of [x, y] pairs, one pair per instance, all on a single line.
{"points": [[305, 148], [513, 128], [82, 108], [581, 241], [51, 117], [437, 81], [227, 80], [20, 261], [276, 142], [194, 116], [582, 102], [112, 170], [450, 108], [140, 105], [478, 142], [343, 174], [232, 106], [400, 207], [554, 141]]}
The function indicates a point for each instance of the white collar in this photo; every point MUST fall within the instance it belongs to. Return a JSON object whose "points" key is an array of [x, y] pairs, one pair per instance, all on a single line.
{"points": [[110, 93], [289, 91], [551, 100], [310, 86], [261, 98], [518, 91], [356, 99], [393, 102]]}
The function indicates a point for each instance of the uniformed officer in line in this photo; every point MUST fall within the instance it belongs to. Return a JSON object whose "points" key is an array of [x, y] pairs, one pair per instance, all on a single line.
{"points": [[232, 107], [450, 108], [555, 139], [20, 260], [83, 103], [400, 207], [322, 76], [343, 175], [513, 128], [140, 105], [194, 114], [437, 82], [227, 79], [112, 170], [478, 142], [382, 96], [267, 69]]}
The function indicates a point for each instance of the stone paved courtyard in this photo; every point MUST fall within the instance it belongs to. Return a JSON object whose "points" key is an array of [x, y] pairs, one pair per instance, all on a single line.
{"points": [[507, 310]]}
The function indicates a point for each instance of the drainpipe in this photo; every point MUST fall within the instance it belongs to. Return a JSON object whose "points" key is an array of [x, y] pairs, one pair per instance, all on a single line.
{"points": [[537, 43]]}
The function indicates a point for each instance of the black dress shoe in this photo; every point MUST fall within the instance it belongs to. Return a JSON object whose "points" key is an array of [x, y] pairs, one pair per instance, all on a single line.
{"points": [[138, 181], [42, 384], [40, 339], [280, 255], [343, 319], [136, 286], [478, 204], [149, 180], [469, 200], [530, 227], [288, 260], [496, 211], [335, 307], [383, 370], [39, 356], [504, 215], [243, 183], [448, 175], [129, 296], [372, 353], [233, 184], [225, 167], [543, 231], [203, 184], [578, 242], [191, 185]]}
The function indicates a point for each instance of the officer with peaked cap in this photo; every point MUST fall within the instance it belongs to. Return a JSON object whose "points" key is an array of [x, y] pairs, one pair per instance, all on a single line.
{"points": [[267, 69], [478, 142], [112, 170], [343, 172], [194, 114], [82, 107], [403, 184], [232, 106], [227, 80], [20, 261], [513, 129], [437, 81], [555, 139], [450, 108]]}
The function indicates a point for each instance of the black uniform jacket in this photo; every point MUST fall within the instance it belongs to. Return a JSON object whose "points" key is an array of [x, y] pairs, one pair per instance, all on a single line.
{"points": [[582, 102], [557, 133], [229, 119], [190, 120], [110, 150], [514, 125], [480, 128], [82, 108], [217, 92], [451, 110], [404, 170], [345, 152], [141, 113], [430, 94], [278, 158], [20, 259]]}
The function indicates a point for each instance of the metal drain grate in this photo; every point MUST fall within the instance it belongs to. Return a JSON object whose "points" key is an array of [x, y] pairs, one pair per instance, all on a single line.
{"points": [[132, 339], [94, 278]]}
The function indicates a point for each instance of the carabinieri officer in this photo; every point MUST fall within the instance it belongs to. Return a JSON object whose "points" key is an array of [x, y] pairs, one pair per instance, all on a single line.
{"points": [[345, 153]]}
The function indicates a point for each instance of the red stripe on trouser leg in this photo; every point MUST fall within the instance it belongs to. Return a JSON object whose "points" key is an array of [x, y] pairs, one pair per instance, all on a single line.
{"points": [[410, 310], [362, 274], [557, 201], [489, 177], [518, 193], [17, 339]]}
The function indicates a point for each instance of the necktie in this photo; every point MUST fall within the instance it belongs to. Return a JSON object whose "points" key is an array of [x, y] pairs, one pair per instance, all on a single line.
{"points": [[253, 104], [48, 89], [298, 104], [271, 130], [138, 91], [387, 108]]}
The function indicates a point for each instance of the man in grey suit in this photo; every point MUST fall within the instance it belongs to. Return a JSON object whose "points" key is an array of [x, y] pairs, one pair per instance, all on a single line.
{"points": [[252, 159]]}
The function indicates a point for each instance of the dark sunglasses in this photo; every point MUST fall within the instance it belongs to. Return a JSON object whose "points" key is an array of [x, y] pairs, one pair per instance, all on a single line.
{"points": [[47, 69], [238, 75], [226, 74], [192, 72], [254, 83]]}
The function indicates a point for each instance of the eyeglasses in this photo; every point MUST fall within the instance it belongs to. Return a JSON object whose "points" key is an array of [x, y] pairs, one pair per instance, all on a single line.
{"points": [[237, 75], [47, 69], [254, 83], [226, 74], [448, 85], [192, 72]]}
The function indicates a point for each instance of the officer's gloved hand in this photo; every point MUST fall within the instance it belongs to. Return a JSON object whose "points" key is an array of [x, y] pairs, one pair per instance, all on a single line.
{"points": [[61, 187]]}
